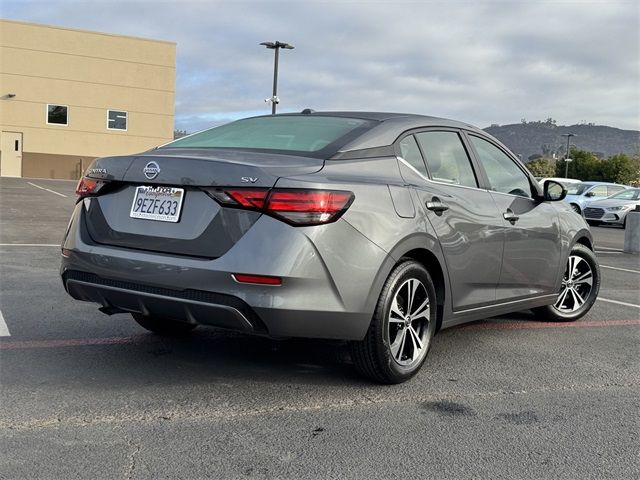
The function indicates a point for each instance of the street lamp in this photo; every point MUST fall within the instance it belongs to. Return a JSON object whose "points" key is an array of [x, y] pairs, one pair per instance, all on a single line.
{"points": [[567, 160], [277, 45]]}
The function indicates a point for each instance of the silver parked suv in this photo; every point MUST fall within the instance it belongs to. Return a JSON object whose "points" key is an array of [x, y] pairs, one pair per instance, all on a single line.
{"points": [[377, 228]]}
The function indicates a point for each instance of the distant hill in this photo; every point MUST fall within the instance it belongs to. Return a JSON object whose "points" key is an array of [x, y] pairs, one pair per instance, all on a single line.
{"points": [[531, 138]]}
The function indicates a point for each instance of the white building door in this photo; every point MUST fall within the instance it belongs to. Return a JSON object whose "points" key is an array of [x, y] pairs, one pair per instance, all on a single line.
{"points": [[11, 161]]}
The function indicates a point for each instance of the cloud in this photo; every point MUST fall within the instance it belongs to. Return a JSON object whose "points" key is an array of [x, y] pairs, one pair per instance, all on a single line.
{"points": [[481, 62]]}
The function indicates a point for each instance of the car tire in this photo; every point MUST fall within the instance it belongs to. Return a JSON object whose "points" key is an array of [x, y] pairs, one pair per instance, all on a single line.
{"points": [[579, 290], [397, 343], [163, 326], [576, 208]]}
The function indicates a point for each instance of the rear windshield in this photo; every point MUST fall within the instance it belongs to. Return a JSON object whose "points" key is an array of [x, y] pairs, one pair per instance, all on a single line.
{"points": [[296, 133], [577, 188]]}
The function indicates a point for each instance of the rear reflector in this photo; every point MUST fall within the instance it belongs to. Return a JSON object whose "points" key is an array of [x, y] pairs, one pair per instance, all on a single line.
{"points": [[294, 206], [257, 279]]}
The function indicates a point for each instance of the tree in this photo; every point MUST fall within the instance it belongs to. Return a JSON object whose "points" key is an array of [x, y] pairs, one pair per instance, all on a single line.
{"points": [[541, 167], [179, 134], [621, 169], [584, 165]]}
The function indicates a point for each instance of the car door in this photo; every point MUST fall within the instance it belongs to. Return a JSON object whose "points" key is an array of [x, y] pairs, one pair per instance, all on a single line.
{"points": [[531, 259], [464, 216]]}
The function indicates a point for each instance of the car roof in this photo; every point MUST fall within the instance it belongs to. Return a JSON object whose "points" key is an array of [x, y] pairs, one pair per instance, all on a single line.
{"points": [[390, 127], [603, 183]]}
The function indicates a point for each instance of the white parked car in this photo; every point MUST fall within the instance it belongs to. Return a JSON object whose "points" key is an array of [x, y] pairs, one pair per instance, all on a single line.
{"points": [[612, 210]]}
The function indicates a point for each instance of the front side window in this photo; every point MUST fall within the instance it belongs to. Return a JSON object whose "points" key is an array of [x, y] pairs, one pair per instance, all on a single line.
{"points": [[116, 120], [631, 194], [503, 173], [611, 190], [410, 152], [57, 114], [599, 191], [447, 158]]}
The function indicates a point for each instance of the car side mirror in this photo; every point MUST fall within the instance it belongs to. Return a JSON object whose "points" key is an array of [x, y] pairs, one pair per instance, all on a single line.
{"points": [[553, 191], [590, 194]]}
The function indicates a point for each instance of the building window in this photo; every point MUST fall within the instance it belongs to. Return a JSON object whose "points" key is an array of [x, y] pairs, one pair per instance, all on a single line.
{"points": [[116, 120], [57, 114]]}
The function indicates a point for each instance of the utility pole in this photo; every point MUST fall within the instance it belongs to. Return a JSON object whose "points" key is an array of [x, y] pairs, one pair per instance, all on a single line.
{"points": [[567, 160], [276, 46]]}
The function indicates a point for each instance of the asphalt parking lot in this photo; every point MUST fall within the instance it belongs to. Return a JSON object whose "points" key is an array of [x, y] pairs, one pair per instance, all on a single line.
{"points": [[85, 395]]}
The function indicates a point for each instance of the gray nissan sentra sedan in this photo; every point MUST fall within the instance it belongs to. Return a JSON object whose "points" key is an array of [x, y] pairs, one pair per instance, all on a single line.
{"points": [[376, 228]]}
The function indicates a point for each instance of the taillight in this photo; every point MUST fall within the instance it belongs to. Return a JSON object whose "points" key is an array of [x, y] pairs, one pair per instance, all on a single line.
{"points": [[88, 186], [294, 206], [249, 198], [308, 207]]}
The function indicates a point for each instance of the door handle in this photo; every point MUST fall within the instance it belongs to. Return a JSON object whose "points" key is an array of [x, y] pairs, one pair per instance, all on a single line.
{"points": [[510, 216], [435, 205]]}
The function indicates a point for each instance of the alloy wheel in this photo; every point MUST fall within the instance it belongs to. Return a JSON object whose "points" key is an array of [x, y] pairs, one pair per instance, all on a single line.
{"points": [[577, 284], [409, 323]]}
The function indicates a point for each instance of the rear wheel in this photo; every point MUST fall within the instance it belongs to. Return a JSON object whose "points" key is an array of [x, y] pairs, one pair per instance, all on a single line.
{"points": [[163, 326], [402, 327], [579, 289]]}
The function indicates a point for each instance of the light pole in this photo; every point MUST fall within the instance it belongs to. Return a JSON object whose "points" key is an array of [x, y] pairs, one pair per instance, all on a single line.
{"points": [[567, 160], [277, 45]]}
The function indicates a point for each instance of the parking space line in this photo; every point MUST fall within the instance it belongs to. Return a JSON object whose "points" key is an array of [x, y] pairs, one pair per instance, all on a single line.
{"points": [[608, 248], [148, 338], [4, 330], [617, 302], [621, 269], [77, 342], [29, 244], [47, 189], [534, 325]]}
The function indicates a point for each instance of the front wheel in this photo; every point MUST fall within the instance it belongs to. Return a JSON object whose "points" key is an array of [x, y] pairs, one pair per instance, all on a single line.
{"points": [[576, 208], [403, 324], [163, 326], [579, 289]]}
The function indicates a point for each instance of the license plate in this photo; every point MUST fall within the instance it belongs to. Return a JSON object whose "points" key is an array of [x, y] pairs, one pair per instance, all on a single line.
{"points": [[157, 203]]}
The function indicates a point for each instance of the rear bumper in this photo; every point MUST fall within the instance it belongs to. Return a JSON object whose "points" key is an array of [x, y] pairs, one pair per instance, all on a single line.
{"points": [[190, 306], [329, 285]]}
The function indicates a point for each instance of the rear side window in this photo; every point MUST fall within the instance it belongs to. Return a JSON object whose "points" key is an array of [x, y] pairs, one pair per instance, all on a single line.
{"points": [[599, 191], [410, 152], [447, 158], [303, 133], [503, 174]]}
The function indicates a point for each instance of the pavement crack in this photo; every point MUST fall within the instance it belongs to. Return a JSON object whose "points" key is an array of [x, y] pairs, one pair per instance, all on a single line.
{"points": [[133, 455]]}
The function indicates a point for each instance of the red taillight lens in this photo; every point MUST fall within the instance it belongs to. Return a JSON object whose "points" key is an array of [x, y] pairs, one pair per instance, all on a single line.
{"points": [[249, 198], [294, 206], [88, 186], [308, 207]]}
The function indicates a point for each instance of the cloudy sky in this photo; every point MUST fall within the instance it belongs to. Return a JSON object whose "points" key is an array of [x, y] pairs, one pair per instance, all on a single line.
{"points": [[478, 61]]}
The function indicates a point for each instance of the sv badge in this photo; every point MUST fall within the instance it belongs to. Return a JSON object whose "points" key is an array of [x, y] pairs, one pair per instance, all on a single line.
{"points": [[249, 179]]}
